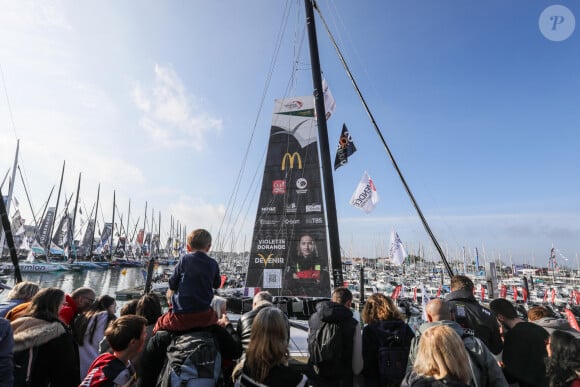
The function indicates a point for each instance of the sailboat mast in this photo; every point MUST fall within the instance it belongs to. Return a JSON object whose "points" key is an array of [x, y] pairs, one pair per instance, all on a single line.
{"points": [[10, 192], [112, 226], [96, 212], [49, 241], [75, 217], [328, 183]]}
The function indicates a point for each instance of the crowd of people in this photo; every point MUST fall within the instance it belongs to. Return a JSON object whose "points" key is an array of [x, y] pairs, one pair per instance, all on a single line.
{"points": [[49, 338]]}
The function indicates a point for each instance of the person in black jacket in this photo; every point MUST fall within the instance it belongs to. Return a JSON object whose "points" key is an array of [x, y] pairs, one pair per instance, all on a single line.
{"points": [[56, 358], [244, 328], [154, 355], [338, 311], [473, 317]]}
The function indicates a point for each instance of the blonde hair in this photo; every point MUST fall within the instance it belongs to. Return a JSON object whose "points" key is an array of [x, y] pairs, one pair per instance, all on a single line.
{"points": [[23, 291], [268, 344], [442, 354], [379, 307]]}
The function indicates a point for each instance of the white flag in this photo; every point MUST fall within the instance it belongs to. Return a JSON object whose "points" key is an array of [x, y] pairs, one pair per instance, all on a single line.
{"points": [[397, 251], [365, 196], [329, 102]]}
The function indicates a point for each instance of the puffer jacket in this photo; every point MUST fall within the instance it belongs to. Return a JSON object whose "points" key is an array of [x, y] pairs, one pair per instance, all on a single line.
{"points": [[244, 327], [476, 319], [56, 362], [485, 371], [552, 324]]}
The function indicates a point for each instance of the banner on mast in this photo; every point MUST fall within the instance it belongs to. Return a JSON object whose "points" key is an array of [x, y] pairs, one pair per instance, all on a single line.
{"points": [[289, 253]]}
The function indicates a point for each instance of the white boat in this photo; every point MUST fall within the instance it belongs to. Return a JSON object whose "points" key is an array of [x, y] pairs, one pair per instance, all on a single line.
{"points": [[36, 267]]}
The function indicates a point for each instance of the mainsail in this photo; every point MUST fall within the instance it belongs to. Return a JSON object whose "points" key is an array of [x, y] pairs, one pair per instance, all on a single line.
{"points": [[289, 254], [44, 230]]}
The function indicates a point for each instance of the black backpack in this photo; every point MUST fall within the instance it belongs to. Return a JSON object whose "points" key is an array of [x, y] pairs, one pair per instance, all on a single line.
{"points": [[325, 347], [193, 359], [393, 353], [23, 365]]}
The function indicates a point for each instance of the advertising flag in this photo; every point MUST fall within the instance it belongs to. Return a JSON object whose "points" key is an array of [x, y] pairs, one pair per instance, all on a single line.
{"points": [[397, 250], [365, 196], [329, 102], [572, 319], [345, 148]]}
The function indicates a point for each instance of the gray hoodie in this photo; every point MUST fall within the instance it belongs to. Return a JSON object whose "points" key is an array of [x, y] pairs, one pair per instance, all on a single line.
{"points": [[484, 368], [552, 324]]}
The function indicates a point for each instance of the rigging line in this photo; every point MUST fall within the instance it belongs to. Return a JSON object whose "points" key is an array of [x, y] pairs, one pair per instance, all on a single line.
{"points": [[8, 102], [27, 197], [273, 61], [387, 149]]}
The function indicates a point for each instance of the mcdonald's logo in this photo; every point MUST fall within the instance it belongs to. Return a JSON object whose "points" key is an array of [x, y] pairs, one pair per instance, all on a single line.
{"points": [[290, 158]]}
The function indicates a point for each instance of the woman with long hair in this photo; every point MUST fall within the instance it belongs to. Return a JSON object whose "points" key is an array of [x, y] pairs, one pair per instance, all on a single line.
{"points": [[43, 344], [442, 360], [386, 342], [563, 361], [89, 329], [266, 362]]}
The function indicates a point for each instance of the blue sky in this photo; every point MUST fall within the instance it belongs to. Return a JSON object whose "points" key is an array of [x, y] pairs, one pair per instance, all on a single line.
{"points": [[159, 101]]}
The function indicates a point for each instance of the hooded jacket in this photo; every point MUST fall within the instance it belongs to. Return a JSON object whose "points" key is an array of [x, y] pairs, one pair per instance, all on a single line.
{"points": [[485, 371], [108, 371], [49, 338], [552, 324], [476, 319], [332, 312]]}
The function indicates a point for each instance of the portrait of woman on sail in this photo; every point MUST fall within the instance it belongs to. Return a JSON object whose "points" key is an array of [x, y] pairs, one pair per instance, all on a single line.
{"points": [[306, 272]]}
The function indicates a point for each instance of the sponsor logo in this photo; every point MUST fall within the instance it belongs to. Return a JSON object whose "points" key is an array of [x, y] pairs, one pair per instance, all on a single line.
{"points": [[291, 221], [278, 187], [268, 210], [314, 207], [291, 208], [301, 184], [271, 244], [315, 220], [266, 259], [291, 157], [268, 222], [295, 104]]}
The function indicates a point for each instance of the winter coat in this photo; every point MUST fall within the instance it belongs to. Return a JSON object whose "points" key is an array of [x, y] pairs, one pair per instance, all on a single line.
{"points": [[415, 380], [6, 349], [350, 357], [244, 327], [89, 350], [56, 362], [485, 371], [372, 333], [154, 355], [109, 371], [476, 319], [552, 324], [484, 368]]}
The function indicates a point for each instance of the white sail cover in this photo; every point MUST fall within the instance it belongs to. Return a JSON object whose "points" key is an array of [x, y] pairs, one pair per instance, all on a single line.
{"points": [[365, 196]]}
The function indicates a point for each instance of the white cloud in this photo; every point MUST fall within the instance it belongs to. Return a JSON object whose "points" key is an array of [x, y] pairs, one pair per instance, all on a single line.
{"points": [[32, 13], [170, 117], [196, 213]]}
